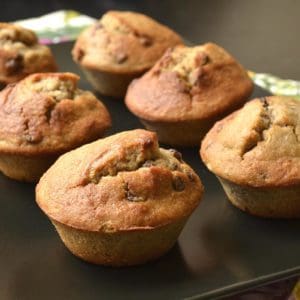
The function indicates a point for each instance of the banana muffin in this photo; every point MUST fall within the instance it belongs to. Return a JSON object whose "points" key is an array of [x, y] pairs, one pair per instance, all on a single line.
{"points": [[187, 91], [43, 116], [121, 200], [121, 46], [21, 55], [255, 152]]}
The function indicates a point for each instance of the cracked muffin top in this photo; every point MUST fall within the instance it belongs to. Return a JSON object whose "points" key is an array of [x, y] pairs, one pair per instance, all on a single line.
{"points": [[190, 83], [123, 42], [47, 113], [20, 54], [122, 182], [258, 145]]}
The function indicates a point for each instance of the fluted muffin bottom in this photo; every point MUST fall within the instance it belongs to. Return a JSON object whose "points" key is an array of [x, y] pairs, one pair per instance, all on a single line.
{"points": [[122, 248], [25, 168], [109, 84], [185, 133], [274, 202]]}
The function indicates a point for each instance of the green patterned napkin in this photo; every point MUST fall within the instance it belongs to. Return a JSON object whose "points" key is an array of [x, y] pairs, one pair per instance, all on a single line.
{"points": [[59, 26], [276, 85]]}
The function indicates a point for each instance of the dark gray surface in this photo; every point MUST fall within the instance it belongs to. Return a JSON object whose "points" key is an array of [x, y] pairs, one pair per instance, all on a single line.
{"points": [[220, 251], [262, 34]]}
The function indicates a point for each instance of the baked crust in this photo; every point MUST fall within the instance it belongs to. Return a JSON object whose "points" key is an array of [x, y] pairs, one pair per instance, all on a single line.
{"points": [[46, 113], [20, 54], [124, 182], [190, 83], [123, 42], [257, 146]]}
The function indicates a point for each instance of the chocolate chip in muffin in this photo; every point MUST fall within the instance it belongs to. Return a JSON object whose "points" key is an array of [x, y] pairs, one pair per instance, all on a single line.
{"points": [[176, 154], [146, 40], [80, 55], [178, 184], [148, 143], [48, 113], [155, 72], [14, 65], [264, 102], [201, 59]]}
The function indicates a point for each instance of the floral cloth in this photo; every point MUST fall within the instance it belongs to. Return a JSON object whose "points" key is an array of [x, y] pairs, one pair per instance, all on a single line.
{"points": [[57, 27]]}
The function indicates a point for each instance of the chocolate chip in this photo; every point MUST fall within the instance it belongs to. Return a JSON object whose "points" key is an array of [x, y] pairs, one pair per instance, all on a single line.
{"points": [[121, 57], [48, 111], [148, 143], [201, 59], [146, 41], [156, 71], [264, 102], [14, 65], [80, 54], [178, 184], [176, 154]]}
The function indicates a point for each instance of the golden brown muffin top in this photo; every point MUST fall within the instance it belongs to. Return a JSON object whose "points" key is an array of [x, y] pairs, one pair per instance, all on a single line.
{"points": [[189, 83], [47, 113], [122, 182], [122, 42], [258, 145], [20, 54]]}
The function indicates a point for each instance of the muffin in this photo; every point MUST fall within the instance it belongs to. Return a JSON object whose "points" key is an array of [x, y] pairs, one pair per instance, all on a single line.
{"points": [[43, 116], [187, 91], [21, 55], [121, 200], [121, 46], [255, 152]]}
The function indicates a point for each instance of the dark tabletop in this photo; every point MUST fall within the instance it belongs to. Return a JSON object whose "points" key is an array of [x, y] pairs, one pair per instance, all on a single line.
{"points": [[262, 34]]}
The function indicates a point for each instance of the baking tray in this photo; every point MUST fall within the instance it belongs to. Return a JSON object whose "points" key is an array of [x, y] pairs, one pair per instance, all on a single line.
{"points": [[221, 250]]}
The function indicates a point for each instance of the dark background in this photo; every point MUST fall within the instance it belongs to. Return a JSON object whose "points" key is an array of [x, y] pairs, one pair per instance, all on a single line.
{"points": [[262, 34]]}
